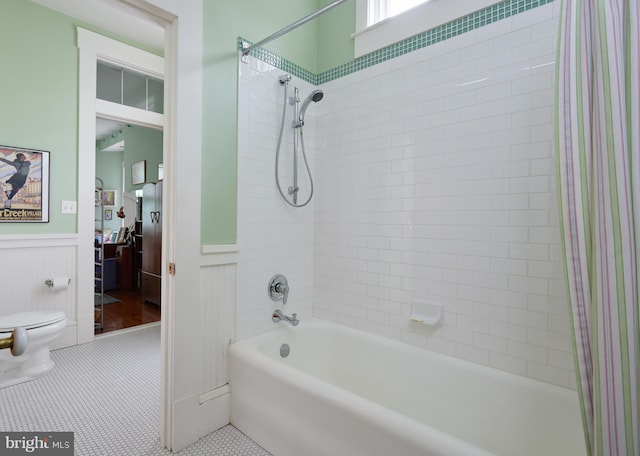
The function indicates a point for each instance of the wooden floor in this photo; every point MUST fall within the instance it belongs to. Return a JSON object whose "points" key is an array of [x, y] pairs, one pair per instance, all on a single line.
{"points": [[132, 310]]}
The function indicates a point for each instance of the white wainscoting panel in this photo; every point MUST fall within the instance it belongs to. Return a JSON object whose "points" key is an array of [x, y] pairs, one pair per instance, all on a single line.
{"points": [[217, 291], [217, 316], [27, 262]]}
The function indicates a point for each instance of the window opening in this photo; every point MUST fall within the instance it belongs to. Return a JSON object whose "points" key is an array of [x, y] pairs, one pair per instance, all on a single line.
{"points": [[380, 10], [130, 88]]}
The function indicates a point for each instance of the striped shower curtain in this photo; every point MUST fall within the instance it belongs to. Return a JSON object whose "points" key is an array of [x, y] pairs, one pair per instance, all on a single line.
{"points": [[598, 155]]}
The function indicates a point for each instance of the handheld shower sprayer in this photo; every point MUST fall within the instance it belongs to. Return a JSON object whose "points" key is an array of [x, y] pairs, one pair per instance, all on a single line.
{"points": [[314, 96], [298, 141]]}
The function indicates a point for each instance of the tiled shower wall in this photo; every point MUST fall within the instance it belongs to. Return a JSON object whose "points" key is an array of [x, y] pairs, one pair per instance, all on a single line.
{"points": [[436, 182], [273, 238]]}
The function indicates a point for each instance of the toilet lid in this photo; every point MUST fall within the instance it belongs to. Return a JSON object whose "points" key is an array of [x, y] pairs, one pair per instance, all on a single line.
{"points": [[29, 320]]}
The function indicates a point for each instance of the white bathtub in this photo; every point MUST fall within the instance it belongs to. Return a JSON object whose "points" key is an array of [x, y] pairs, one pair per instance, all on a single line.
{"points": [[343, 392]]}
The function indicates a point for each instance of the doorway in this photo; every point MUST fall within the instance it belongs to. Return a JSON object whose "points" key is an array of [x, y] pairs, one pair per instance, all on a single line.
{"points": [[181, 418], [128, 163]]}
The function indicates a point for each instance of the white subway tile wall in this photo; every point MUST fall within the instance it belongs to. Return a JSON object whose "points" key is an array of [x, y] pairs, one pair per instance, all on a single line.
{"points": [[273, 238], [434, 181]]}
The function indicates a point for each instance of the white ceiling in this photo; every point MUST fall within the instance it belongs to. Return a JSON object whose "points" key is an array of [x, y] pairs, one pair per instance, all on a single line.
{"points": [[112, 16], [104, 127]]}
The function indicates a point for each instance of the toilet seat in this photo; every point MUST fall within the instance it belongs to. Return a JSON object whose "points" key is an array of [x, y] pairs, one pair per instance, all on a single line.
{"points": [[30, 320]]}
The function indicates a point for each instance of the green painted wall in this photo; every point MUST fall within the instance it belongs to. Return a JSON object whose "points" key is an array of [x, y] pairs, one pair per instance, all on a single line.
{"points": [[39, 93], [141, 144], [223, 23], [335, 45], [252, 20], [40, 80]]}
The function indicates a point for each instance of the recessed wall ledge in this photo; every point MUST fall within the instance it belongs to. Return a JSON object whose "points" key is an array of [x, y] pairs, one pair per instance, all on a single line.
{"points": [[218, 254], [210, 249]]}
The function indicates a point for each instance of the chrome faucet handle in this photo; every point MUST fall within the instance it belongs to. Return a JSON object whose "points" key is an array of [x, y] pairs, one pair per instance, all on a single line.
{"points": [[284, 289], [278, 288]]}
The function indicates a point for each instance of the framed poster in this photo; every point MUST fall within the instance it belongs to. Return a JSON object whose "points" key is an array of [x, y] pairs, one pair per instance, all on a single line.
{"points": [[108, 197], [138, 172], [122, 234], [24, 185], [108, 214]]}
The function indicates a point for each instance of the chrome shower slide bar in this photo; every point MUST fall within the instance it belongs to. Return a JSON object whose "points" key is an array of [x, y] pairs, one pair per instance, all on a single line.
{"points": [[246, 48]]}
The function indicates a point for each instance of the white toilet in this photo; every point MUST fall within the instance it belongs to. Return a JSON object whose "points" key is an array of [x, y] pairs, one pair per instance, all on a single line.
{"points": [[42, 328]]}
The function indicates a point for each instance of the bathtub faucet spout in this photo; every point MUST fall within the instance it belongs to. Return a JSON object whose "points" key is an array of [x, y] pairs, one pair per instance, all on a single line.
{"points": [[279, 316]]}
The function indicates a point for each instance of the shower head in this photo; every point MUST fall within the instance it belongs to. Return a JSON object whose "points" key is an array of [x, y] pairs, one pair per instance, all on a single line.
{"points": [[314, 96]]}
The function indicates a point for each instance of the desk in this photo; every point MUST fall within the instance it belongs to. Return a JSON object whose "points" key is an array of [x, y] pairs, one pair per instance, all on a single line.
{"points": [[124, 275], [109, 275], [127, 272], [110, 250]]}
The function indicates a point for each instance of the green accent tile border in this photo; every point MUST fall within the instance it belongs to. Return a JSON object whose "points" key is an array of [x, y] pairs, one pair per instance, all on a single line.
{"points": [[279, 62], [443, 32]]}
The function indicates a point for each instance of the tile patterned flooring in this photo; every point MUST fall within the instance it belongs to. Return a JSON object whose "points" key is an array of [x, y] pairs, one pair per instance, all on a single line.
{"points": [[107, 392]]}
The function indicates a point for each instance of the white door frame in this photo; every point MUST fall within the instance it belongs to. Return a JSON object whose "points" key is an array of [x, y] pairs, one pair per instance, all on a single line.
{"points": [[181, 414], [94, 47]]}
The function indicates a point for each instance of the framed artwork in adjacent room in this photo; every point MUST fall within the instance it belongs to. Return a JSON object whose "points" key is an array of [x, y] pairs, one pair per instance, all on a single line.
{"points": [[109, 197], [138, 172]]}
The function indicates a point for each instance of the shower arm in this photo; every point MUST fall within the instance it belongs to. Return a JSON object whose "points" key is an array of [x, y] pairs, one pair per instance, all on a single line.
{"points": [[247, 48]]}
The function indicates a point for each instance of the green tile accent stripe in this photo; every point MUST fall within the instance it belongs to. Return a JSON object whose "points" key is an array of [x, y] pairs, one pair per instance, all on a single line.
{"points": [[280, 62], [443, 32]]}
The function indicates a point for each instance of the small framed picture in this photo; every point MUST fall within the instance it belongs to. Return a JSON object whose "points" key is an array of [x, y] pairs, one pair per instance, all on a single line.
{"points": [[122, 234], [108, 214], [138, 172], [109, 197]]}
